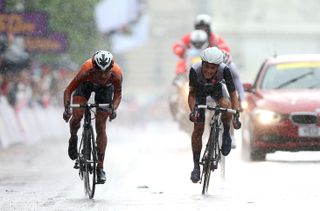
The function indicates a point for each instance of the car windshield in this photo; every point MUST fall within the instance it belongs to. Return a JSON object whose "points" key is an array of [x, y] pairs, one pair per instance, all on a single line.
{"points": [[294, 75]]}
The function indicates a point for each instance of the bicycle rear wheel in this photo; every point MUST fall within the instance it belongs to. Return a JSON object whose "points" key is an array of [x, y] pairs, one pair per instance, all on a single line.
{"points": [[90, 162]]}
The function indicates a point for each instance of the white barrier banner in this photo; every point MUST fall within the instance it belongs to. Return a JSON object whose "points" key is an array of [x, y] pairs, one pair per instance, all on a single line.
{"points": [[29, 125]]}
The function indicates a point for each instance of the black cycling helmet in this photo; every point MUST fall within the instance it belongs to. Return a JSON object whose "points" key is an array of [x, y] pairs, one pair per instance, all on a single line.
{"points": [[102, 60]]}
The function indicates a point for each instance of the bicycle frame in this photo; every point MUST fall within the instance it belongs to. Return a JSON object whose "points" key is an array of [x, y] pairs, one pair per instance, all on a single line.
{"points": [[215, 140], [87, 159], [87, 118], [212, 154]]}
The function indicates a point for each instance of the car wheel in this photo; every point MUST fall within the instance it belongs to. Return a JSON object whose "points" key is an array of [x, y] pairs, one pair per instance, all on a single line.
{"points": [[244, 151], [249, 153], [256, 155]]}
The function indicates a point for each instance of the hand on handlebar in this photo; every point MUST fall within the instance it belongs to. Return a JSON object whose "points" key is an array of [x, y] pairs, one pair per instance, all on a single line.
{"points": [[236, 120], [194, 116], [67, 113], [112, 114]]}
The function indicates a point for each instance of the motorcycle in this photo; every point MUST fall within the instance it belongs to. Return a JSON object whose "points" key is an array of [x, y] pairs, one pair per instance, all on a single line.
{"points": [[178, 101]]}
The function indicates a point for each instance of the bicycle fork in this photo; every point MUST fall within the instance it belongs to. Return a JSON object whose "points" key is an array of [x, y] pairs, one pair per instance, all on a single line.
{"points": [[215, 155]]}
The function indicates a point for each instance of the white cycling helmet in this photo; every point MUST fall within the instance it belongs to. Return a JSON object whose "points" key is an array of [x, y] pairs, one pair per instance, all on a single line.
{"points": [[212, 55], [102, 60], [202, 19], [199, 39]]}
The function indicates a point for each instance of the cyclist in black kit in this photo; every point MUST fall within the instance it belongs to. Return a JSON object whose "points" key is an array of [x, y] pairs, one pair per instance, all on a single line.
{"points": [[210, 77]]}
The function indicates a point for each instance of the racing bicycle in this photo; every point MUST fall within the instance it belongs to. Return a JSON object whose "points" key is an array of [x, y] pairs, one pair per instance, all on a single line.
{"points": [[87, 158], [212, 153]]}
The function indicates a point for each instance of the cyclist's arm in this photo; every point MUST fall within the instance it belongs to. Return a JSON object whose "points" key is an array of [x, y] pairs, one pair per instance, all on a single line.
{"points": [[75, 82], [237, 80], [117, 83], [231, 88], [192, 91]]}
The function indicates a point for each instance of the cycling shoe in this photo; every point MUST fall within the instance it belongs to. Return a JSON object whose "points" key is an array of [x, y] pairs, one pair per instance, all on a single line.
{"points": [[226, 144], [195, 175], [72, 149], [101, 176]]}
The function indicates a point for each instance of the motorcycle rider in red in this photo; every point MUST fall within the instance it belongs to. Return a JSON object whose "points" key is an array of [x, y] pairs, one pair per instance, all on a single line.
{"points": [[99, 74], [180, 48], [202, 22], [210, 77], [198, 42]]}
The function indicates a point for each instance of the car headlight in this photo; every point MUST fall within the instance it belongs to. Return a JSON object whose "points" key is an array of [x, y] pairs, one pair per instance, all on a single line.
{"points": [[244, 105], [266, 117]]}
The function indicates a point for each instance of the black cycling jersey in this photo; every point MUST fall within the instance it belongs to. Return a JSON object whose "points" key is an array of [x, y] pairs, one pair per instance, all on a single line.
{"points": [[212, 87], [219, 86]]}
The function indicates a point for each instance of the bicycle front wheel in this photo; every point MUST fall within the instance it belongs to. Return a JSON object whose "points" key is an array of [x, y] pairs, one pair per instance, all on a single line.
{"points": [[90, 162], [206, 174], [208, 163]]}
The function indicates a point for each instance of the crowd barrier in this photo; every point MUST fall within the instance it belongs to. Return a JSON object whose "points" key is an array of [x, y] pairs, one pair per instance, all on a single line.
{"points": [[29, 124]]}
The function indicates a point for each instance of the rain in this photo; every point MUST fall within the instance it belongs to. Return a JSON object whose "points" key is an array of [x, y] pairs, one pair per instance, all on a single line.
{"points": [[148, 158]]}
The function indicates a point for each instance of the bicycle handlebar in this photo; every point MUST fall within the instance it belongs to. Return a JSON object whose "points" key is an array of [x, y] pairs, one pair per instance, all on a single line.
{"points": [[90, 105], [215, 108], [236, 113]]}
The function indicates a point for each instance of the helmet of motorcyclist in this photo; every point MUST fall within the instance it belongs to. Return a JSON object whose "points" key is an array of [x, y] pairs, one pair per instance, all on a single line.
{"points": [[203, 22], [199, 39], [212, 55], [102, 60]]}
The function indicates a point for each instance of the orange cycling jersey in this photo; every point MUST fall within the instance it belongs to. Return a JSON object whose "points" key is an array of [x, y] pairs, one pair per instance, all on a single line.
{"points": [[88, 73]]}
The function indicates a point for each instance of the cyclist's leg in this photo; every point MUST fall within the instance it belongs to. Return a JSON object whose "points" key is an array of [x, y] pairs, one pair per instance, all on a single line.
{"points": [[226, 119], [77, 115], [81, 95], [222, 97], [101, 122], [103, 95], [196, 143], [101, 119]]}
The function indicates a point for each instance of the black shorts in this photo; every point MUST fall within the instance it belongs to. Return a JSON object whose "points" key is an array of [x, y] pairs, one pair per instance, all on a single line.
{"points": [[219, 91], [103, 94]]}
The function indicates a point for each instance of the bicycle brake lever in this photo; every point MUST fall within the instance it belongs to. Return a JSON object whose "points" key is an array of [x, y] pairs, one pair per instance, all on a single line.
{"points": [[236, 123]]}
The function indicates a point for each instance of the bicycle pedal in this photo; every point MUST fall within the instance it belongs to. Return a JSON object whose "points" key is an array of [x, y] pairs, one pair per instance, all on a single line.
{"points": [[80, 175], [100, 182], [213, 167], [76, 165]]}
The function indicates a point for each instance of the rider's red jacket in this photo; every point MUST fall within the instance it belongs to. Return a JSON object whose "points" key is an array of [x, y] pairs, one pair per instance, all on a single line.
{"points": [[88, 73], [180, 47]]}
